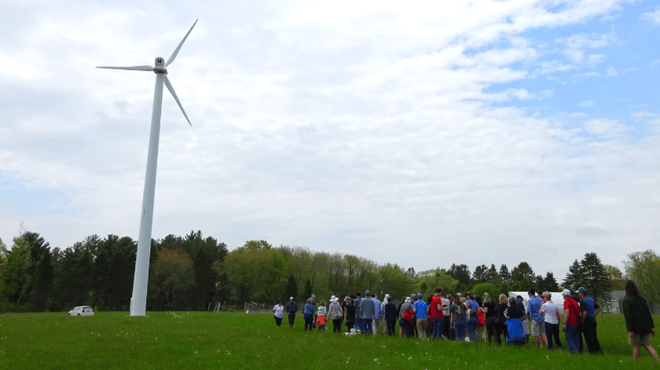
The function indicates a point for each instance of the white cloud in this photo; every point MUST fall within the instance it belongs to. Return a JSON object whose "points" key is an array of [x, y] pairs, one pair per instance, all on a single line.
{"points": [[611, 72], [605, 127], [587, 103], [575, 46], [652, 16]]}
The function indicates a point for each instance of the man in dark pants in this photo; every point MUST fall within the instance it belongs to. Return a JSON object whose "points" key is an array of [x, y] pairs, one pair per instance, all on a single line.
{"points": [[291, 309], [589, 307]]}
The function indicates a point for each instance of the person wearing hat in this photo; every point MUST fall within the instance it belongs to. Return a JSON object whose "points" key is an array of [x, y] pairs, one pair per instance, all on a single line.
{"points": [[291, 309], [420, 307], [571, 312], [405, 318], [336, 314], [588, 313], [390, 315]]}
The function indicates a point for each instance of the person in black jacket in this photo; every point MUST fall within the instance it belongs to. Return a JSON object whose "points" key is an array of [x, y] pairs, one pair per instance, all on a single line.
{"points": [[639, 321]]}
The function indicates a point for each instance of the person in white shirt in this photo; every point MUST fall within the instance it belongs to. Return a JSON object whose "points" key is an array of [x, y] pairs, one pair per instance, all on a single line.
{"points": [[278, 311], [551, 312]]}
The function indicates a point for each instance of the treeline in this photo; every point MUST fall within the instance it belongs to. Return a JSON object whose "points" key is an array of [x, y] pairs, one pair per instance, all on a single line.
{"points": [[190, 272]]}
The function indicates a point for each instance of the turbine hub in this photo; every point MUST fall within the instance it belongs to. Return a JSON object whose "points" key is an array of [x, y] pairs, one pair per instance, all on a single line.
{"points": [[160, 65]]}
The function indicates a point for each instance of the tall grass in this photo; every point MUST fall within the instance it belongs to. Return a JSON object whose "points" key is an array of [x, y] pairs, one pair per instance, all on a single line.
{"points": [[200, 340]]}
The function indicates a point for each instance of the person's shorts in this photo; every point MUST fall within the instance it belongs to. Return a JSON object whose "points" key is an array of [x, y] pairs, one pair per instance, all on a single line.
{"points": [[639, 340], [538, 328], [402, 323], [525, 326]]}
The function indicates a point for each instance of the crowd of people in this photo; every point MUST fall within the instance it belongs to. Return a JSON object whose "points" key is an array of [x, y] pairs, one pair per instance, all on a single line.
{"points": [[454, 317]]}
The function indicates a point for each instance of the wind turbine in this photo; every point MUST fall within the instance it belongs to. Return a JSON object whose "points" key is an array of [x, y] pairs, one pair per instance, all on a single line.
{"points": [[141, 279]]}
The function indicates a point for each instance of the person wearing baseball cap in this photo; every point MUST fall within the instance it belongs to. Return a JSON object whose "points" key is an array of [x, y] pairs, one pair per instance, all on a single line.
{"points": [[291, 309], [420, 307], [571, 311], [589, 308]]}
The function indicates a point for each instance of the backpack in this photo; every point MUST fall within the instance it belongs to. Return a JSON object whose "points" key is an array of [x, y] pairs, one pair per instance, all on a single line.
{"points": [[409, 315]]}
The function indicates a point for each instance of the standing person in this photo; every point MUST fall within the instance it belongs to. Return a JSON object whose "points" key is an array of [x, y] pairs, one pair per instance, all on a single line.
{"points": [[378, 311], [500, 323], [391, 314], [420, 307], [278, 312], [357, 302], [291, 309], [367, 312], [481, 322], [458, 321], [514, 323], [523, 320], [336, 314], [571, 312], [308, 314], [313, 298], [349, 310], [639, 321], [538, 320], [383, 321], [491, 317], [589, 308], [405, 317], [321, 317], [437, 315], [550, 313], [448, 330], [472, 322]]}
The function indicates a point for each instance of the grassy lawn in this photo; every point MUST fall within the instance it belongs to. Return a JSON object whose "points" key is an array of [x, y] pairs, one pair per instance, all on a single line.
{"points": [[200, 340]]}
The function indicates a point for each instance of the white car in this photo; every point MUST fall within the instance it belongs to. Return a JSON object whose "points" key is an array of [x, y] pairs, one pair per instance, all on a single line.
{"points": [[81, 311]]}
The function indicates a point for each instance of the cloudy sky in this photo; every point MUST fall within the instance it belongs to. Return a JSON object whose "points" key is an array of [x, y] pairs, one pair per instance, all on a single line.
{"points": [[422, 134]]}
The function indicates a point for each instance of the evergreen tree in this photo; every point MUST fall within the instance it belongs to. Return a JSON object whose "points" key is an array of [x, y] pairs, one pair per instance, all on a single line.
{"points": [[291, 288], [595, 278], [505, 276], [573, 277], [480, 274], [492, 275], [550, 283], [308, 290]]}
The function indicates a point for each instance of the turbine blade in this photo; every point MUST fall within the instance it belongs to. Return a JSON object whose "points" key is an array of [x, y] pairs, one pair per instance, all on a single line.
{"points": [[176, 51], [134, 68], [169, 87]]}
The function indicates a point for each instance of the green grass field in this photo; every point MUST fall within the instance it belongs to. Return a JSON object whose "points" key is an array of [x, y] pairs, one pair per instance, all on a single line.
{"points": [[200, 340]]}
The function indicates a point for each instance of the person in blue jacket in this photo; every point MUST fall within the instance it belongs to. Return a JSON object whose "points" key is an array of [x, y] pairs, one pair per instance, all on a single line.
{"points": [[308, 314]]}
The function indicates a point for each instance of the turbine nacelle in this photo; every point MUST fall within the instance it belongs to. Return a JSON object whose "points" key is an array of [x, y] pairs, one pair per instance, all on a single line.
{"points": [[159, 65]]}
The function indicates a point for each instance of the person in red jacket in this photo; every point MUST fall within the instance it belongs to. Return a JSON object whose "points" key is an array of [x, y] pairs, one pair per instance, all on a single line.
{"points": [[435, 310]]}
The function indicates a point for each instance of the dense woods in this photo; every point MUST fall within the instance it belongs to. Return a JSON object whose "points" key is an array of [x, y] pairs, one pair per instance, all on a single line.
{"points": [[193, 271]]}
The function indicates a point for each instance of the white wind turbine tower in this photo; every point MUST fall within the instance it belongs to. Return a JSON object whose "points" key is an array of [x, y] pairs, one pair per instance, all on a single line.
{"points": [[140, 281]]}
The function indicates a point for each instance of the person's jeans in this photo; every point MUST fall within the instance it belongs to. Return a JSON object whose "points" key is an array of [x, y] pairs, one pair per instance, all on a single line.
{"points": [[552, 332], [278, 321], [366, 326], [438, 328], [472, 328], [292, 317], [573, 338], [336, 325], [460, 327], [308, 322]]}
